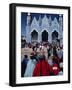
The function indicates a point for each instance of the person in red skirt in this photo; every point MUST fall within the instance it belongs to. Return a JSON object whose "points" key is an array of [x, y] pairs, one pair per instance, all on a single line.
{"points": [[42, 67]]}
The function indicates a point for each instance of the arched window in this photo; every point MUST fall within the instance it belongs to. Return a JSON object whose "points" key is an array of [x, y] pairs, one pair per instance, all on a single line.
{"points": [[45, 36], [34, 35], [55, 35]]}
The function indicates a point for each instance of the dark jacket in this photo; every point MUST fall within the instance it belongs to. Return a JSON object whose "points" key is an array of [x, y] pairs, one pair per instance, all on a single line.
{"points": [[23, 66]]}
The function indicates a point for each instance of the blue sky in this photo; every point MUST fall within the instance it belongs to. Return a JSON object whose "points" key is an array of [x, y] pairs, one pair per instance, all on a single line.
{"points": [[24, 19]]}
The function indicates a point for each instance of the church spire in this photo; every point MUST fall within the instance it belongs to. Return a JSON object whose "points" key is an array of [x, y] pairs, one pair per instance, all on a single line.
{"points": [[50, 21], [28, 19], [40, 20], [60, 18], [61, 21]]}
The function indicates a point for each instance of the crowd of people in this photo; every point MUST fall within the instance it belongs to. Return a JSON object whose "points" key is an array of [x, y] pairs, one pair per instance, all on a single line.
{"points": [[45, 60]]}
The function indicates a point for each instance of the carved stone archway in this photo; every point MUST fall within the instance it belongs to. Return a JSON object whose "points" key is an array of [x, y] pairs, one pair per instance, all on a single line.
{"points": [[44, 36], [34, 36]]}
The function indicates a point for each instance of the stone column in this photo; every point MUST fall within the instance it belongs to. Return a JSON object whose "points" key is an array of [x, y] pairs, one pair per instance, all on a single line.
{"points": [[39, 37], [50, 37], [28, 35]]}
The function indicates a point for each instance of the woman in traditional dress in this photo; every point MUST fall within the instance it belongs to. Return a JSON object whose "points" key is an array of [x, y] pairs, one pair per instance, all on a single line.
{"points": [[30, 66], [42, 67]]}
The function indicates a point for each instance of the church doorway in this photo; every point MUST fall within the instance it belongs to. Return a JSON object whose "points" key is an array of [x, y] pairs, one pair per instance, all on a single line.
{"points": [[54, 36], [34, 36], [44, 36]]}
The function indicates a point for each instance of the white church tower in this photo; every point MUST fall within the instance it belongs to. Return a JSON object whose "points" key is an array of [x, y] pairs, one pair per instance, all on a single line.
{"points": [[28, 36], [61, 28]]}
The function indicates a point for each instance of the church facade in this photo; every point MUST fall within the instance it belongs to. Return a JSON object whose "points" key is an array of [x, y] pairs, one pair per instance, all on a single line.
{"points": [[44, 29]]}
